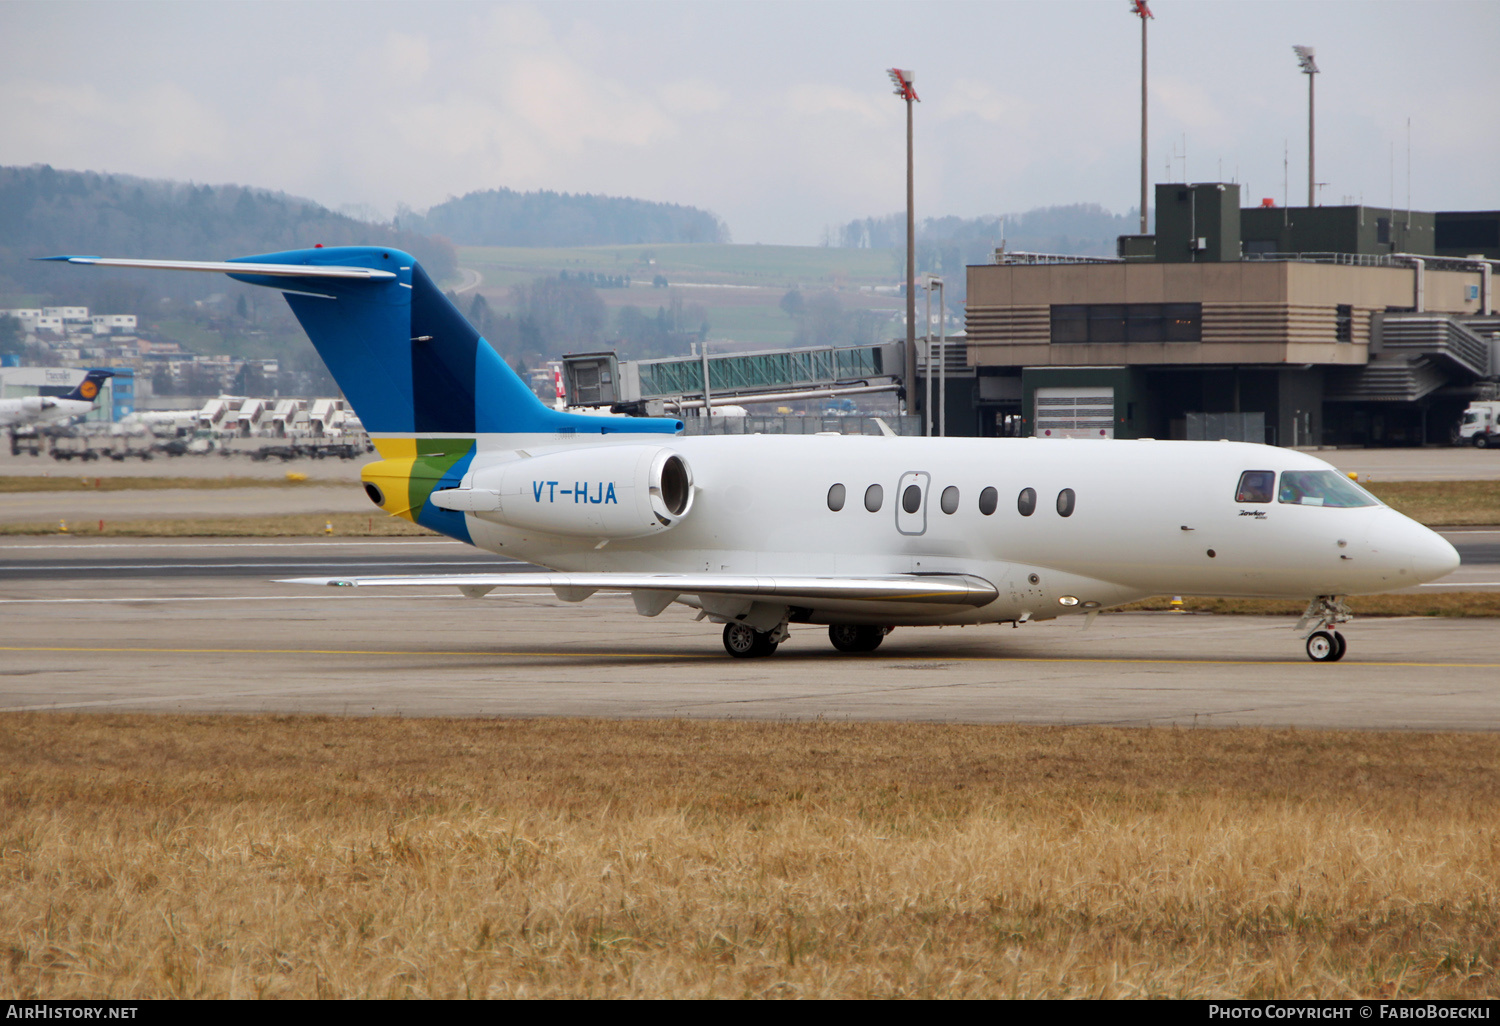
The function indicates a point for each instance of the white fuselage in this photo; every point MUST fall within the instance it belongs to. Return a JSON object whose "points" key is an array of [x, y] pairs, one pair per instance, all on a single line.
{"points": [[36, 409], [1148, 517]]}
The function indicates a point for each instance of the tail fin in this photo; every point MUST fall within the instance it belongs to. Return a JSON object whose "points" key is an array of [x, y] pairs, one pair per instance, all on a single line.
{"points": [[423, 382], [88, 389], [407, 360]]}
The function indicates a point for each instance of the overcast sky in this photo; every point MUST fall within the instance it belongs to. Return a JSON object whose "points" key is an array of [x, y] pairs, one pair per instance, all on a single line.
{"points": [[777, 116]]}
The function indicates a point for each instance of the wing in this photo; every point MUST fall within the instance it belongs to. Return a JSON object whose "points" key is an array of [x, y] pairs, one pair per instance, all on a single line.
{"points": [[902, 589]]}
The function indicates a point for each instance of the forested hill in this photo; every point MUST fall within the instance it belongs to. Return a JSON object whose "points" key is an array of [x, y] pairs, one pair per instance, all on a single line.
{"points": [[503, 217], [44, 212]]}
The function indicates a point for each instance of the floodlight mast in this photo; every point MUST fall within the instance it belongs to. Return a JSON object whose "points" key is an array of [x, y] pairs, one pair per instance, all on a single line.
{"points": [[1140, 10], [902, 80], [1310, 69]]}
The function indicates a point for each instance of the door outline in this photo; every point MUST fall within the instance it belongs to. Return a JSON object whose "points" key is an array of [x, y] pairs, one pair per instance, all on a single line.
{"points": [[912, 523]]}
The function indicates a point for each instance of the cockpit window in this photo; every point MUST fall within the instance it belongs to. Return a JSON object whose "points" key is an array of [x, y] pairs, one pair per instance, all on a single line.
{"points": [[1256, 486], [1322, 488]]}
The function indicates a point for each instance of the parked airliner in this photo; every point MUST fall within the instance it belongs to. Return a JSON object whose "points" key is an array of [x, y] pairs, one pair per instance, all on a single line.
{"points": [[859, 534], [40, 409]]}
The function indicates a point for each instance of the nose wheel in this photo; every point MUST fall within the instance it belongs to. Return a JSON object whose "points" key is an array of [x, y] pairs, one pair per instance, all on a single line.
{"points": [[1326, 646], [1324, 643]]}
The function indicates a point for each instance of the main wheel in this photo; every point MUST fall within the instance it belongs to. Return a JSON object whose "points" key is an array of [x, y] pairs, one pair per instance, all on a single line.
{"points": [[745, 642], [851, 637], [1323, 648]]}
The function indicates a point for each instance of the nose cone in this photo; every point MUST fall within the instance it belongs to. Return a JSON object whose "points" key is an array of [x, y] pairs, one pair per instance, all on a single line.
{"points": [[1432, 556]]}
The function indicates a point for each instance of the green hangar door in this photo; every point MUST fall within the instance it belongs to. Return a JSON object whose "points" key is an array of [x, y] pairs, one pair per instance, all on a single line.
{"points": [[1079, 411]]}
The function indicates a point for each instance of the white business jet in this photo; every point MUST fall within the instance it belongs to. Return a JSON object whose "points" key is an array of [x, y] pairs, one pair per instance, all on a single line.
{"points": [[859, 534]]}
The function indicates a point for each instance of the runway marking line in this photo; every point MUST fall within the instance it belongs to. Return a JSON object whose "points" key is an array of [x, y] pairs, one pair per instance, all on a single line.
{"points": [[704, 656]]}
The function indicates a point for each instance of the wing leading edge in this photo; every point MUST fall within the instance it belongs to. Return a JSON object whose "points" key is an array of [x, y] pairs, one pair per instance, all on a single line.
{"points": [[234, 267], [934, 589]]}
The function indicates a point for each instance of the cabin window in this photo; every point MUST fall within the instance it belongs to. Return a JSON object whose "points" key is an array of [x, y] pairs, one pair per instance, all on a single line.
{"points": [[1026, 502], [989, 501], [911, 499], [1322, 488], [1256, 486], [874, 498], [1065, 502], [836, 498], [949, 502]]}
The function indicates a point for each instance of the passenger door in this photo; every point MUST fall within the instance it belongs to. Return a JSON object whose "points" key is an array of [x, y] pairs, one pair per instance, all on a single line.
{"points": [[911, 502]]}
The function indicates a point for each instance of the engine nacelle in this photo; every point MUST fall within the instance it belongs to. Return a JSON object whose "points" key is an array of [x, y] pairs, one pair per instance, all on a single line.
{"points": [[607, 491]]}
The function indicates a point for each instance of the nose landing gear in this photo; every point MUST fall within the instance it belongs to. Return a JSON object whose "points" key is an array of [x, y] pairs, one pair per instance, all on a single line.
{"points": [[1324, 613], [1326, 646]]}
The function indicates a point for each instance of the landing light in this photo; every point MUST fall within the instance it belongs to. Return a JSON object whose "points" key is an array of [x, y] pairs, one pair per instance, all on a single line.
{"points": [[1068, 600]]}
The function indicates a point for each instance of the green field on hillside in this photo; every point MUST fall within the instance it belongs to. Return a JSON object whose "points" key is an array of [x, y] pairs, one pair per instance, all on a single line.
{"points": [[782, 267], [739, 287]]}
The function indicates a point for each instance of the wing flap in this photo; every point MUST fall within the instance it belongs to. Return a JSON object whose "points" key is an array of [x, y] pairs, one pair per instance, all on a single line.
{"points": [[934, 589]]}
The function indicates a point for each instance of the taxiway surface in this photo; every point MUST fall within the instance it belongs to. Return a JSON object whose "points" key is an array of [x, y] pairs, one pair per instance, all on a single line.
{"points": [[201, 626]]}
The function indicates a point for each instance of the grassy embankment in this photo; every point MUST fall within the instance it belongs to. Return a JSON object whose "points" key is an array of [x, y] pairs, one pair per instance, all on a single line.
{"points": [[164, 856], [355, 525], [88, 483]]}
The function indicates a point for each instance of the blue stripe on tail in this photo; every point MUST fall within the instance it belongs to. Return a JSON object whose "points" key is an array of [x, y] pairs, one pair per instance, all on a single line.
{"points": [[408, 361]]}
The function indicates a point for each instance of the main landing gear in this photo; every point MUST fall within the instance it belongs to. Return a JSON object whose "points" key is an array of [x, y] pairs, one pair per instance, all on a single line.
{"points": [[856, 637], [745, 642], [1324, 643]]}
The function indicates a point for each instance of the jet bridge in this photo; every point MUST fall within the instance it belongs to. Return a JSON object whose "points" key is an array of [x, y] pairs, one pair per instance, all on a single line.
{"points": [[601, 379]]}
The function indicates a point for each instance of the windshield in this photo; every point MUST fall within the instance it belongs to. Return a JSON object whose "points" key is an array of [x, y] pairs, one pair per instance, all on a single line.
{"points": [[1322, 488], [1472, 417]]}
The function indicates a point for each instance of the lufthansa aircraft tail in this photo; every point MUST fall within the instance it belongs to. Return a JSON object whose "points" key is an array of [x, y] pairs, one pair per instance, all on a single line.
{"points": [[87, 390]]}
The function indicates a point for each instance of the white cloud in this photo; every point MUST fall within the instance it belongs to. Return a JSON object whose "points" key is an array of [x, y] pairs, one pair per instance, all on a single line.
{"points": [[695, 96], [780, 122], [405, 58]]}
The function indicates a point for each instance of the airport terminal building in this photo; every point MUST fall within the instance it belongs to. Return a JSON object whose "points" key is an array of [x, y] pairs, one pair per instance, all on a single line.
{"points": [[1293, 326]]}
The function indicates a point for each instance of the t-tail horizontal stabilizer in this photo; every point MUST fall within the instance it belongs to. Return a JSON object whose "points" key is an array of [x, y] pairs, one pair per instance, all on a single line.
{"points": [[409, 363]]}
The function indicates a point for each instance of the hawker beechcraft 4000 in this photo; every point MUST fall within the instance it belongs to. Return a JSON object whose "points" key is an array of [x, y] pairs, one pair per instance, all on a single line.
{"points": [[859, 534]]}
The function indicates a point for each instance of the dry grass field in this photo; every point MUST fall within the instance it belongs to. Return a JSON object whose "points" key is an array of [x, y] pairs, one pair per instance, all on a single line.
{"points": [[89, 483], [292, 525], [1436, 603], [153, 856], [1442, 503]]}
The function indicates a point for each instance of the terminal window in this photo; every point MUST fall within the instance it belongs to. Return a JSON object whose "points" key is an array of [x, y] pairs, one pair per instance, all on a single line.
{"points": [[1343, 323], [1127, 322]]}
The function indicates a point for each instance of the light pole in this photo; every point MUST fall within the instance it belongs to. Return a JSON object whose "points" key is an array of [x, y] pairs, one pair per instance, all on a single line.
{"points": [[1139, 8], [932, 281], [902, 80], [1309, 68]]}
